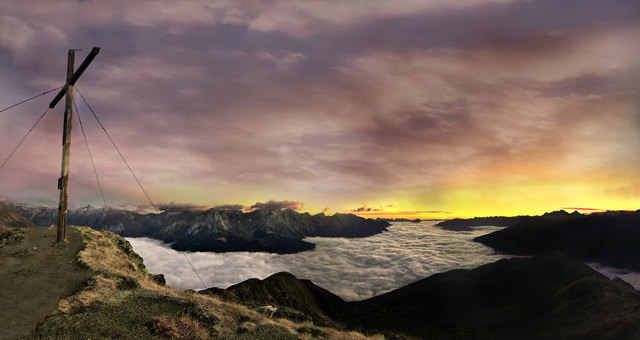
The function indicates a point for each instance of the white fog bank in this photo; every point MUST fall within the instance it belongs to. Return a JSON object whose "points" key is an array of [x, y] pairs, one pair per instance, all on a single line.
{"points": [[354, 269]]}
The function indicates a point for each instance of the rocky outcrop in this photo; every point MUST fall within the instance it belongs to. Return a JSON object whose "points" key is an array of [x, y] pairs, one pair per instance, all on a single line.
{"points": [[12, 225], [10, 219], [611, 238], [218, 230], [549, 296]]}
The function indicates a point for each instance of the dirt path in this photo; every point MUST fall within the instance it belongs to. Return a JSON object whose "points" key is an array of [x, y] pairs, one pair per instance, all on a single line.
{"points": [[34, 274]]}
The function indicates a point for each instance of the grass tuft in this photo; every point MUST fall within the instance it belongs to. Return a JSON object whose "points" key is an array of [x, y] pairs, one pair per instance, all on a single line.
{"points": [[168, 327]]}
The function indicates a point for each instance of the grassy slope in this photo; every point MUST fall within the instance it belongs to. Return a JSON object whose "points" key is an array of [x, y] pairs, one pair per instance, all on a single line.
{"points": [[122, 300]]}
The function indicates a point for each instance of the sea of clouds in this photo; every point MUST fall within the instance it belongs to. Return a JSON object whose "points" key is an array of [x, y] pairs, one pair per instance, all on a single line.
{"points": [[354, 269]]}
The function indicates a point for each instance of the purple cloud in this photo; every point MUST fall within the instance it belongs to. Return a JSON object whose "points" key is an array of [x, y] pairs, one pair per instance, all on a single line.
{"points": [[328, 104]]}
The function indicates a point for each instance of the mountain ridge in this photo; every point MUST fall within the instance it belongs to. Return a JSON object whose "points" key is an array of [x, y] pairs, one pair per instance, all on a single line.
{"points": [[551, 295], [610, 238], [215, 229]]}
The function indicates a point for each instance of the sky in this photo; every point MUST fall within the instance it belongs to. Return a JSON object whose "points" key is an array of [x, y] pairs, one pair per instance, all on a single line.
{"points": [[429, 109]]}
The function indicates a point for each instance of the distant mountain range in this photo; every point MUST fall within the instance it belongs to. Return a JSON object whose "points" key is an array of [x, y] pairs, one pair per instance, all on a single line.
{"points": [[463, 224], [550, 296], [217, 230]]}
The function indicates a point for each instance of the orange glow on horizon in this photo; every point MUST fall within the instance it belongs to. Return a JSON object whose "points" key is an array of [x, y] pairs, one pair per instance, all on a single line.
{"points": [[412, 215]]}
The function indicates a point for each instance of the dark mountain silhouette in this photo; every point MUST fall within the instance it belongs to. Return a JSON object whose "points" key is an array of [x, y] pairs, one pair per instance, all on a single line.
{"points": [[550, 296], [509, 299], [390, 220], [464, 224], [611, 238], [218, 230], [285, 290]]}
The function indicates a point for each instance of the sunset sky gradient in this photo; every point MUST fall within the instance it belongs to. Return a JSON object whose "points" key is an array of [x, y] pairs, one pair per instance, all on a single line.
{"points": [[430, 109]]}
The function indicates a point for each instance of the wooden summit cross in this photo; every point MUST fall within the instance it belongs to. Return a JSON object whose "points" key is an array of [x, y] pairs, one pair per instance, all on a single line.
{"points": [[63, 181]]}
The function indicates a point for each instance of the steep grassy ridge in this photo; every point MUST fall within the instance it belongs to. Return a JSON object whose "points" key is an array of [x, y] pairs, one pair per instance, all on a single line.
{"points": [[122, 300]]}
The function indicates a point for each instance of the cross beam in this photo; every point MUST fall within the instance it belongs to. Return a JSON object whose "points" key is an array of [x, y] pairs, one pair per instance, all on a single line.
{"points": [[75, 75], [63, 181]]}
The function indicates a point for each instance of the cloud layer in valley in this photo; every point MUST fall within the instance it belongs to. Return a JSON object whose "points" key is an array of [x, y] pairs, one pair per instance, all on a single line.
{"points": [[352, 268], [215, 269]]}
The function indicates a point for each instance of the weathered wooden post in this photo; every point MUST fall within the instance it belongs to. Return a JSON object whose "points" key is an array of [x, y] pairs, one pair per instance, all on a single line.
{"points": [[63, 181]]}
